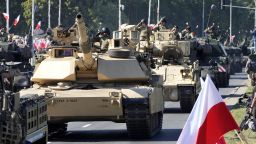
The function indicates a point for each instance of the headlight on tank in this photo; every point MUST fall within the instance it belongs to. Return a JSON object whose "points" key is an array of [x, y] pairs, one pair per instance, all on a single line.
{"points": [[185, 73]]}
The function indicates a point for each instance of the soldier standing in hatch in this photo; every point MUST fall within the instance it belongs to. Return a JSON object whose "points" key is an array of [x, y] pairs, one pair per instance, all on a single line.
{"points": [[104, 36], [212, 31], [144, 30], [186, 33], [175, 31], [161, 25], [4, 34]]}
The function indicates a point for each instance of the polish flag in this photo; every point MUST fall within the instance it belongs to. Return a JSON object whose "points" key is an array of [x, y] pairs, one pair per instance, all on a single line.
{"points": [[209, 120], [16, 21], [232, 38], [38, 25], [6, 16], [221, 68]]}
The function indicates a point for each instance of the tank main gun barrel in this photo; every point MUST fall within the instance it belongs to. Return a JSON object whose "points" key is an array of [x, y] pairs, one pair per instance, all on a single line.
{"points": [[84, 41]]}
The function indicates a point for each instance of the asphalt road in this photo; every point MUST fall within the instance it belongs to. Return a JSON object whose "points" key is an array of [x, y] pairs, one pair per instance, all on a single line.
{"points": [[109, 132]]}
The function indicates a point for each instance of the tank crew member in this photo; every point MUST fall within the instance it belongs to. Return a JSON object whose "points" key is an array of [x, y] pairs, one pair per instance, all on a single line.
{"points": [[186, 33], [142, 25], [161, 25], [250, 68], [212, 31], [104, 36], [175, 31], [144, 30], [3, 34]]}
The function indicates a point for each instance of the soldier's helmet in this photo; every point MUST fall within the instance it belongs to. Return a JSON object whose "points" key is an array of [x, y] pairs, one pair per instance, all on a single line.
{"points": [[105, 31], [3, 30], [49, 31], [188, 28]]}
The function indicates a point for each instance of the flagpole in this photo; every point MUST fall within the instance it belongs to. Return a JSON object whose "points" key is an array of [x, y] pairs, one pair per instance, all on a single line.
{"points": [[49, 13], [59, 20], [7, 11], [240, 138], [158, 10], [119, 15], [33, 16], [149, 11], [10, 27], [32, 60], [230, 23]]}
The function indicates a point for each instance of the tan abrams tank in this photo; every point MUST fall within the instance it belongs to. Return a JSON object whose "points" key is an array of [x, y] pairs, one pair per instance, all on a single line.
{"points": [[176, 61], [113, 86]]}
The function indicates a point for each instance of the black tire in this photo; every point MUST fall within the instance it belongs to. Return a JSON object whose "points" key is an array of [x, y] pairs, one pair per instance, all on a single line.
{"points": [[232, 69], [41, 141], [57, 129], [119, 53], [222, 79], [140, 123], [226, 78], [187, 101]]}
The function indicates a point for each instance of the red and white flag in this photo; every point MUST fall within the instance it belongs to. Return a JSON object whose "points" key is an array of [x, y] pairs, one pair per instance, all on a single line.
{"points": [[38, 25], [221, 68], [232, 38], [209, 119], [16, 21], [6, 16]]}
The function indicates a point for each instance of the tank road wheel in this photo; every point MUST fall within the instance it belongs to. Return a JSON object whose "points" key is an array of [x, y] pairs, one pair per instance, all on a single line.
{"points": [[187, 98], [57, 129], [140, 123]]}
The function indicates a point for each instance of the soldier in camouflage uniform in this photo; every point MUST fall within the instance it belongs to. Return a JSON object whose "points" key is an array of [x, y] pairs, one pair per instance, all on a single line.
{"points": [[175, 31], [161, 25], [104, 36], [3, 35], [212, 31], [144, 30], [250, 68], [186, 33]]}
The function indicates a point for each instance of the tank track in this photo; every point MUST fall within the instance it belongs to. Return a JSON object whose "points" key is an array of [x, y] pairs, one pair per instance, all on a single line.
{"points": [[140, 123], [187, 101]]}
